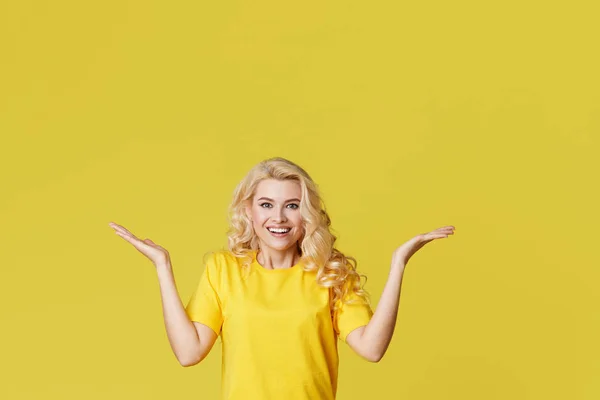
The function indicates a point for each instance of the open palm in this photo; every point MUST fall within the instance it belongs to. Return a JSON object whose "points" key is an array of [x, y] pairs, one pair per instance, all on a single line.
{"points": [[157, 254], [403, 253]]}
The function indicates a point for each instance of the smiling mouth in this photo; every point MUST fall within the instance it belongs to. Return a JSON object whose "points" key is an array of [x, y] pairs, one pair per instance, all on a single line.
{"points": [[279, 232]]}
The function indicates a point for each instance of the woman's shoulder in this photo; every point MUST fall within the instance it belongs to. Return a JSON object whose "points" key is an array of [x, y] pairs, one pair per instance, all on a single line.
{"points": [[225, 259], [225, 268]]}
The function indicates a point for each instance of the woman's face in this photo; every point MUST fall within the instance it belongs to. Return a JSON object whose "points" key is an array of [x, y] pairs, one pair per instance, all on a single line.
{"points": [[276, 204]]}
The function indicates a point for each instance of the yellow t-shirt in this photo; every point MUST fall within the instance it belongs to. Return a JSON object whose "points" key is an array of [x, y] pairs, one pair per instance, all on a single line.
{"points": [[278, 338]]}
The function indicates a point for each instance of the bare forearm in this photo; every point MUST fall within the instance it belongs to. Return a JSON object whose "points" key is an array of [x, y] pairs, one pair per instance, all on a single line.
{"points": [[378, 333], [181, 332]]}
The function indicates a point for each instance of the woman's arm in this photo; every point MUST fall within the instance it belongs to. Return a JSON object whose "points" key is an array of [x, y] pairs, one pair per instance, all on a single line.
{"points": [[191, 342], [371, 341]]}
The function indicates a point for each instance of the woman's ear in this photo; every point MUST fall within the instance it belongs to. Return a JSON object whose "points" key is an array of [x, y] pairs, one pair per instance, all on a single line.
{"points": [[248, 210]]}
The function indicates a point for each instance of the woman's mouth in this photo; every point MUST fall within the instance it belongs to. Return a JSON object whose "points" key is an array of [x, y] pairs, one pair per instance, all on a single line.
{"points": [[279, 232]]}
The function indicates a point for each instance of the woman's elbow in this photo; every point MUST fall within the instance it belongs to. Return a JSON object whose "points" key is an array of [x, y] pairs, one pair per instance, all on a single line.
{"points": [[189, 362], [373, 357], [191, 358]]}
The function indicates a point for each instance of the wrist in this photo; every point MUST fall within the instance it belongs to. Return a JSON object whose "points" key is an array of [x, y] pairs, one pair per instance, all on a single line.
{"points": [[398, 267], [166, 265]]}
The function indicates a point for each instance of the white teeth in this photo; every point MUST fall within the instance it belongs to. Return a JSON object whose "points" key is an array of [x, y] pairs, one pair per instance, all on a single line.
{"points": [[278, 230]]}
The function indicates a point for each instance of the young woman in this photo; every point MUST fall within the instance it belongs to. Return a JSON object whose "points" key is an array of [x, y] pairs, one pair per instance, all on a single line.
{"points": [[281, 295]]}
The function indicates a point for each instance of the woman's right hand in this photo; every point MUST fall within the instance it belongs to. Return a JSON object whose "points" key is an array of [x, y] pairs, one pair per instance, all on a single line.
{"points": [[157, 254]]}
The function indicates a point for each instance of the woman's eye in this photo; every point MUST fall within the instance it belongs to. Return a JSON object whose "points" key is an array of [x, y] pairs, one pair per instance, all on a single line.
{"points": [[294, 206]]}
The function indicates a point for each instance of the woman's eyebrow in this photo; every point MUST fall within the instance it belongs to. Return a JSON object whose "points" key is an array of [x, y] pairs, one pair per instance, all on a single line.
{"points": [[266, 198]]}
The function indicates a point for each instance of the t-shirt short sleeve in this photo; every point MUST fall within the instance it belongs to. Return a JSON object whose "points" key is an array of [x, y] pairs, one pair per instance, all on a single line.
{"points": [[205, 304], [351, 316]]}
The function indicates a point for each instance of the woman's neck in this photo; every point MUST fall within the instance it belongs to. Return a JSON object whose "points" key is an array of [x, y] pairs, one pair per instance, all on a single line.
{"points": [[276, 259]]}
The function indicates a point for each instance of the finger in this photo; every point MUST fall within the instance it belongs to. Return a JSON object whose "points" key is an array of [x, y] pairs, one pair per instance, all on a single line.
{"points": [[122, 229], [149, 242], [118, 227], [430, 236], [137, 243], [125, 234]]}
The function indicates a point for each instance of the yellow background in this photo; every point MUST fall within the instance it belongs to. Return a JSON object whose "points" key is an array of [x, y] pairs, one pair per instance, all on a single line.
{"points": [[409, 115]]}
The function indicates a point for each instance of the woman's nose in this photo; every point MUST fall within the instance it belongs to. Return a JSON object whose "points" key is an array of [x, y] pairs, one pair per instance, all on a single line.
{"points": [[279, 215]]}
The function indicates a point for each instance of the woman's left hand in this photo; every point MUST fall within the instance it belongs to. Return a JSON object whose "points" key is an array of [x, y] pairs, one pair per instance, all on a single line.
{"points": [[403, 253]]}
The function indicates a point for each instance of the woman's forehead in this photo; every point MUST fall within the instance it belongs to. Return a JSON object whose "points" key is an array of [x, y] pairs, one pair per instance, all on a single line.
{"points": [[278, 189]]}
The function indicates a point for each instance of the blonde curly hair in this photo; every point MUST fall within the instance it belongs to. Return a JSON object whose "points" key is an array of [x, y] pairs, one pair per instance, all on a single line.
{"points": [[335, 270]]}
